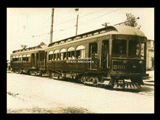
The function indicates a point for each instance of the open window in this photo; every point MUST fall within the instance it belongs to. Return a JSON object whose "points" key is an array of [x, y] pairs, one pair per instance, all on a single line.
{"points": [[20, 58], [71, 53], [50, 56], [56, 55], [25, 58], [63, 54], [80, 52], [15, 58]]}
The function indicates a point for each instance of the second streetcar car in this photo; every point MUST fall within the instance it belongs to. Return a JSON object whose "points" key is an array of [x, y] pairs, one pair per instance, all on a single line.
{"points": [[30, 60]]}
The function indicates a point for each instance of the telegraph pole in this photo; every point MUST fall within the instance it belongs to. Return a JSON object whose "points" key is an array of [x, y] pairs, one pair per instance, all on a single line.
{"points": [[77, 24], [52, 20], [77, 20]]}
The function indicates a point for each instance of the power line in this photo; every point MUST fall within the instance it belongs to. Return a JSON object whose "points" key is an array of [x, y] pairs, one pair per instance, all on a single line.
{"points": [[79, 17], [93, 20], [99, 16], [40, 35]]}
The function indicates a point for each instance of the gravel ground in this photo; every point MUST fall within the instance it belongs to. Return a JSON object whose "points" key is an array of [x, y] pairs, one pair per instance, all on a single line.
{"points": [[32, 94]]}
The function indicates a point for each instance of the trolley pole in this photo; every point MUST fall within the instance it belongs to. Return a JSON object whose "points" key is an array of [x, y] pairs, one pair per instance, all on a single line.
{"points": [[105, 24], [52, 20]]}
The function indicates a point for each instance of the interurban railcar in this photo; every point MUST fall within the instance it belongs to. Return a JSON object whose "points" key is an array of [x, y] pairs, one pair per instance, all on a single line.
{"points": [[105, 56], [29, 60]]}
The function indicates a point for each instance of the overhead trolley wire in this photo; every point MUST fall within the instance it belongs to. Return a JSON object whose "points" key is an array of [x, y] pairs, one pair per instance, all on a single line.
{"points": [[93, 20], [79, 17], [99, 17]]}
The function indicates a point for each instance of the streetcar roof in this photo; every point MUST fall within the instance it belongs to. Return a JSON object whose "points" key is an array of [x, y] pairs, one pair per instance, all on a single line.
{"points": [[26, 52], [124, 30], [129, 31], [109, 30]]}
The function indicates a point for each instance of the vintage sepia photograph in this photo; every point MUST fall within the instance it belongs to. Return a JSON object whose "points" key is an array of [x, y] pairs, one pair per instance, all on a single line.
{"points": [[80, 60]]}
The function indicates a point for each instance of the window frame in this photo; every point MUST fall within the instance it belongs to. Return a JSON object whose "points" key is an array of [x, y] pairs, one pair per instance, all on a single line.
{"points": [[80, 49], [122, 49]]}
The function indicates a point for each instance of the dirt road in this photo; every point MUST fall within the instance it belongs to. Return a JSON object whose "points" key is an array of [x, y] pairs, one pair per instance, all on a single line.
{"points": [[44, 95]]}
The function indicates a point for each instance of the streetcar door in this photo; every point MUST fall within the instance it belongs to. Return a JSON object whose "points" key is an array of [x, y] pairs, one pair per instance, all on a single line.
{"points": [[37, 60], [105, 54], [42, 60], [33, 59], [93, 55]]}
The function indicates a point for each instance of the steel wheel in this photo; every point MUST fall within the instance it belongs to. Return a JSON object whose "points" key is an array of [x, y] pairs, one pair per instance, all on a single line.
{"points": [[83, 79], [95, 81]]}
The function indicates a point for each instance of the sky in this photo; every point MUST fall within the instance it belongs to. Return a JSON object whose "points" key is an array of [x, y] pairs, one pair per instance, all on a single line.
{"points": [[31, 26]]}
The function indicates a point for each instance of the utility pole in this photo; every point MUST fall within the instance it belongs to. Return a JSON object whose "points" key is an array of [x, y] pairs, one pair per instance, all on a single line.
{"points": [[52, 20], [77, 20]]}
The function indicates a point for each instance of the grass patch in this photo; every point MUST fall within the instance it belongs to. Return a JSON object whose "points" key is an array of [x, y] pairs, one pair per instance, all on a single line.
{"points": [[69, 110]]}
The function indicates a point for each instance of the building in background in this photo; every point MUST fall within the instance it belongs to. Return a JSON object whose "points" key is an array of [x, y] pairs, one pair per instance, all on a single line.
{"points": [[8, 65], [150, 55]]}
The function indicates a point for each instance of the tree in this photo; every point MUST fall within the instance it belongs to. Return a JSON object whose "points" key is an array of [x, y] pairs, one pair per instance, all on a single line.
{"points": [[131, 20]]}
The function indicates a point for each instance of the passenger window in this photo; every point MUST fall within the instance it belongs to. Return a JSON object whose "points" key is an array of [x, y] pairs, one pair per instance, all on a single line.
{"points": [[71, 53], [78, 55], [50, 56], [56, 55], [25, 59], [20, 58], [15, 59], [134, 48], [63, 54], [119, 48], [80, 52], [93, 50]]}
